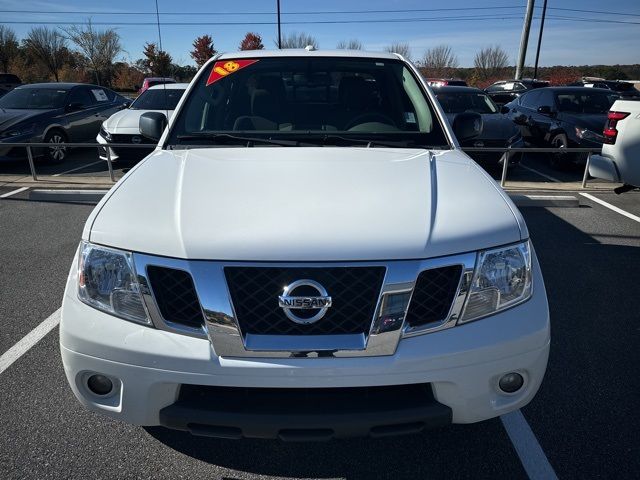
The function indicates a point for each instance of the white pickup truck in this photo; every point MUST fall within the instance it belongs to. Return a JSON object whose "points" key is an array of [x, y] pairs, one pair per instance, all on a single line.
{"points": [[307, 254], [620, 159]]}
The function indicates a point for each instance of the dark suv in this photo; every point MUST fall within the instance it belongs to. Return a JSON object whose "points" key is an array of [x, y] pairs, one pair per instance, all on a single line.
{"points": [[562, 117], [505, 91], [625, 90]]}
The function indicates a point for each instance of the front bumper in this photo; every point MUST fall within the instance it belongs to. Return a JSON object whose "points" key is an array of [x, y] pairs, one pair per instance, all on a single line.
{"points": [[604, 168], [462, 366]]}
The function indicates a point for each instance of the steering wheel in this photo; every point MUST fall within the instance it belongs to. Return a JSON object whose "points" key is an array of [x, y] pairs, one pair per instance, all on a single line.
{"points": [[370, 117]]}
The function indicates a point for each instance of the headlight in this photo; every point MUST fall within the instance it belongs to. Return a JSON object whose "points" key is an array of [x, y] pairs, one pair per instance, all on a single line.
{"points": [[106, 135], [22, 130], [586, 134], [502, 279], [106, 281]]}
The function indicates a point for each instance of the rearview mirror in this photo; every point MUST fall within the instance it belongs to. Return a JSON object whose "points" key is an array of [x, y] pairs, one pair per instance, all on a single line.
{"points": [[152, 124], [467, 125], [545, 110], [74, 106]]}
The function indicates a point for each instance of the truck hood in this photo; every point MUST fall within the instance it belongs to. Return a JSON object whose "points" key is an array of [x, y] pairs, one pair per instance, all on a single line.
{"points": [[305, 204], [127, 121]]}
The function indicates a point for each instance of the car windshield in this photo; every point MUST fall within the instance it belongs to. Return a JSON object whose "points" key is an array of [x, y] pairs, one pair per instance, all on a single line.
{"points": [[309, 98], [34, 98], [458, 102], [158, 99], [584, 102]]}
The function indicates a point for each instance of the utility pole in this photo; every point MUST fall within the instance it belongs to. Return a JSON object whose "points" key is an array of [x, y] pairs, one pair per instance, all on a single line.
{"points": [[279, 33], [524, 40], [544, 12]]}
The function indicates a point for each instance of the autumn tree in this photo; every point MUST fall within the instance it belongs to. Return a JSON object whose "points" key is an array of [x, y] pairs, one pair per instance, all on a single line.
{"points": [[49, 47], [251, 41], [298, 40], [400, 48], [99, 47], [352, 44], [203, 49], [490, 61], [439, 60], [157, 62], [8, 47]]}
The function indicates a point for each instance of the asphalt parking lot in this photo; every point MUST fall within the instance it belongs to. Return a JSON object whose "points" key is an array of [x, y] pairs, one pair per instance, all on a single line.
{"points": [[584, 418]]}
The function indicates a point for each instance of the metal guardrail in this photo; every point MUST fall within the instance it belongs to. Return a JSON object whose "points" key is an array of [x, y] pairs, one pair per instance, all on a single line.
{"points": [[506, 154]]}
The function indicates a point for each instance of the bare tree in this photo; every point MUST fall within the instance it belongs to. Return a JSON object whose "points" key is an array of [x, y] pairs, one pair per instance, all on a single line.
{"points": [[440, 60], [49, 47], [490, 60], [352, 44], [99, 47], [8, 47], [400, 48], [298, 40]]}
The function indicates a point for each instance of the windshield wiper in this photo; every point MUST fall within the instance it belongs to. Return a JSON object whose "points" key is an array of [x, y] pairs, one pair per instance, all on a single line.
{"points": [[368, 142], [239, 138]]}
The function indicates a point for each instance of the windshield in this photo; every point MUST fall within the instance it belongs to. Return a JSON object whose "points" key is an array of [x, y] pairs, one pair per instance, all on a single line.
{"points": [[458, 102], [580, 102], [297, 97], [34, 98], [161, 99]]}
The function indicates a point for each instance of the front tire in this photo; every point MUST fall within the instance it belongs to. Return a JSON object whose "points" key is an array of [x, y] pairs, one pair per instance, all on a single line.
{"points": [[58, 152]]}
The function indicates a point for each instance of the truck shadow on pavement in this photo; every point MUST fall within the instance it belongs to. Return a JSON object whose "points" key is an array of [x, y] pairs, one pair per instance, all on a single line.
{"points": [[433, 454]]}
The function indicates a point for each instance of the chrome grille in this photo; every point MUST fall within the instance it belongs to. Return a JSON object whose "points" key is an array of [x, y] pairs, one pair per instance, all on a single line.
{"points": [[433, 295], [255, 290], [175, 296]]}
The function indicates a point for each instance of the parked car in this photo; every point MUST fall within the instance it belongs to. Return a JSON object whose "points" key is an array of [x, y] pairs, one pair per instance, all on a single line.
{"points": [[122, 127], [55, 113], [250, 277], [562, 117], [622, 89], [619, 161], [506, 91], [152, 81], [8, 82], [498, 130], [443, 82]]}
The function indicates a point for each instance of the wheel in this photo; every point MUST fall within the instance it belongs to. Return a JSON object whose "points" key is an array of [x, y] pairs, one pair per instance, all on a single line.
{"points": [[58, 152]]}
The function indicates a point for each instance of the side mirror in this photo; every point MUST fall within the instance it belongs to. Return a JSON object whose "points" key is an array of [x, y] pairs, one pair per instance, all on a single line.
{"points": [[467, 125], [545, 110], [504, 109], [152, 124], [74, 106], [126, 104]]}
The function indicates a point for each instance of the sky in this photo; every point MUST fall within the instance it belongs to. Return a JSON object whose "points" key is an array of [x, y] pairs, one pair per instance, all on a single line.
{"points": [[466, 26]]}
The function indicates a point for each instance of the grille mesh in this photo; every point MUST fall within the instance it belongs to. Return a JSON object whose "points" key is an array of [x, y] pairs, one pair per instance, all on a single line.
{"points": [[433, 295], [175, 295], [255, 290]]}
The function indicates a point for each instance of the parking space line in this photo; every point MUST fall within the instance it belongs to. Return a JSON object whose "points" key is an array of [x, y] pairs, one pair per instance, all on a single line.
{"points": [[29, 340], [612, 207], [77, 168], [531, 455], [13, 192], [548, 177]]}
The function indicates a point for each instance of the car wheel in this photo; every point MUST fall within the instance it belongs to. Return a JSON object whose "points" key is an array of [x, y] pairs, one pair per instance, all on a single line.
{"points": [[57, 152], [560, 161]]}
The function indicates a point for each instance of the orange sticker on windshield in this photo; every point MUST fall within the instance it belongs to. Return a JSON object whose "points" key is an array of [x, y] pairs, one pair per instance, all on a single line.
{"points": [[226, 67]]}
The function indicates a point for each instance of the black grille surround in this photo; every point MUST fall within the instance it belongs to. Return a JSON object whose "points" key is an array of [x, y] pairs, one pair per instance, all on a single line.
{"points": [[433, 295], [175, 296], [255, 290]]}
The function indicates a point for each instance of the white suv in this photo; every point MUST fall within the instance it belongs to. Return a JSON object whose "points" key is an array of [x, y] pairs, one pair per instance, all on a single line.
{"points": [[307, 254]]}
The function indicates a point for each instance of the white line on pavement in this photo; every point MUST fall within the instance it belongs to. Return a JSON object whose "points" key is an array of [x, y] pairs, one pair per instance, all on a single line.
{"points": [[529, 451], [13, 192], [548, 177], [612, 207], [29, 340], [77, 168]]}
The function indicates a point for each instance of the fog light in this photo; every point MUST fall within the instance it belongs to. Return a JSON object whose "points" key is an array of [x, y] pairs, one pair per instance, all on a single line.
{"points": [[511, 382], [99, 384]]}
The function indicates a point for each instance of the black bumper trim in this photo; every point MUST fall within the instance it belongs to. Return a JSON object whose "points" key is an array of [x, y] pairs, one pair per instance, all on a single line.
{"points": [[305, 414]]}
